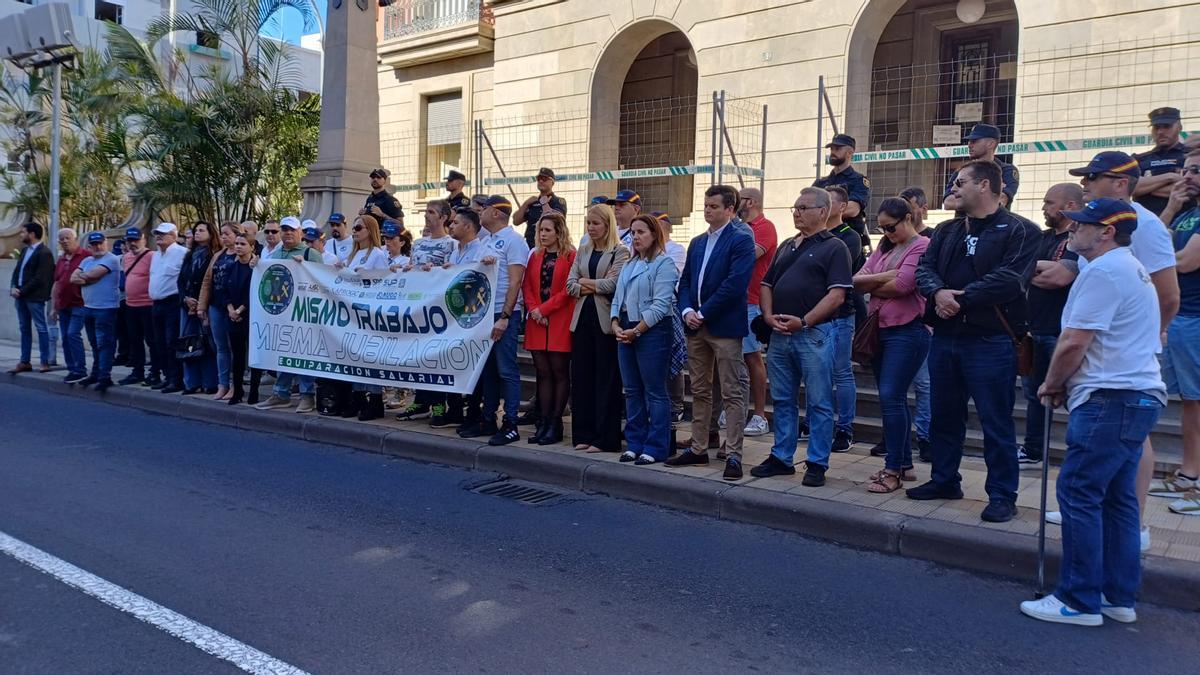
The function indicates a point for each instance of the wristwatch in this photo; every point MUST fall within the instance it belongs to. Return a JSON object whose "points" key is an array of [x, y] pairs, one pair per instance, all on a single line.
{"points": [[803, 324], [637, 333]]}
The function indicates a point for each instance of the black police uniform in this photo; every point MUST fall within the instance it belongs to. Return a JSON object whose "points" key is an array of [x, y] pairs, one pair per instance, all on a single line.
{"points": [[1008, 173], [386, 203], [1156, 162], [458, 201], [858, 187], [534, 213]]}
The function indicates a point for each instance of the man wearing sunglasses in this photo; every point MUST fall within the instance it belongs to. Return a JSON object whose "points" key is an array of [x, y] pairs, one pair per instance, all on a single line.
{"points": [[974, 275], [1160, 165], [273, 241]]}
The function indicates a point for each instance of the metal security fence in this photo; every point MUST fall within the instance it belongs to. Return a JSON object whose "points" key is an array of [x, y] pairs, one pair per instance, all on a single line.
{"points": [[1054, 108]]}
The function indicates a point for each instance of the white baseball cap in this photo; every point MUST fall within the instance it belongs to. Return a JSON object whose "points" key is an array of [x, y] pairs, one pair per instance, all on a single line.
{"points": [[307, 223], [166, 228], [290, 222]]}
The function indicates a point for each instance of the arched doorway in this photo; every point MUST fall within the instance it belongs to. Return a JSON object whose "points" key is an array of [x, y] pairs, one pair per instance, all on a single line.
{"points": [[919, 76], [644, 113]]}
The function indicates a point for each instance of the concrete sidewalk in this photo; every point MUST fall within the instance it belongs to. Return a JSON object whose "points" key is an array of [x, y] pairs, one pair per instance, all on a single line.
{"points": [[842, 511]]}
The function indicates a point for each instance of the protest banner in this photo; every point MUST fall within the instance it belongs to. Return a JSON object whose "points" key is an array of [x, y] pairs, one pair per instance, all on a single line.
{"points": [[420, 330]]}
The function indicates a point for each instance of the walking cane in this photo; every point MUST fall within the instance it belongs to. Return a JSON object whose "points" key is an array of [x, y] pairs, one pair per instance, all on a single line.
{"points": [[1041, 564]]}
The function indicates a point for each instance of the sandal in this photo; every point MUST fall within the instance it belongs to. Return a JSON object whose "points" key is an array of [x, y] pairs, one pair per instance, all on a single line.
{"points": [[884, 482], [582, 446], [907, 474]]}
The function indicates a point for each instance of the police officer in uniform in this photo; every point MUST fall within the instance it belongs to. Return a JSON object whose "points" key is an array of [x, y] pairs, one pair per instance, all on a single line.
{"points": [[981, 144], [841, 151], [380, 203], [1161, 166], [531, 211], [454, 185]]}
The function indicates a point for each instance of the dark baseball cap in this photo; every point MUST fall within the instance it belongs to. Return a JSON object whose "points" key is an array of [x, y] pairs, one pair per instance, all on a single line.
{"points": [[337, 218], [661, 216], [546, 171], [625, 196], [1109, 161], [842, 139], [599, 199], [499, 202], [391, 228], [95, 237], [1165, 115], [379, 173], [133, 234], [983, 131], [1106, 211], [311, 234], [455, 175]]}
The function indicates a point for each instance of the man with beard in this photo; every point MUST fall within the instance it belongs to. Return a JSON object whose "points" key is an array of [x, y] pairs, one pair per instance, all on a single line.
{"points": [[1047, 295], [1160, 166], [380, 203], [856, 185], [981, 144]]}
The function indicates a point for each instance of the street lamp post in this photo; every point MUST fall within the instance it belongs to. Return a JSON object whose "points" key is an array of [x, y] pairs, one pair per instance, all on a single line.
{"points": [[37, 38]]}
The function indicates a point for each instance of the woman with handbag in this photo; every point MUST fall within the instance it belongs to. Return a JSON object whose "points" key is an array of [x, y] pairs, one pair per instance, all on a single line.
{"points": [[642, 316], [195, 349], [893, 339], [214, 296], [595, 376], [547, 328], [235, 306]]}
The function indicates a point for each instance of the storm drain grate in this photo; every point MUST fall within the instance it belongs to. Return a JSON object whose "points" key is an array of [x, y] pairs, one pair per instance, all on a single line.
{"points": [[518, 491]]}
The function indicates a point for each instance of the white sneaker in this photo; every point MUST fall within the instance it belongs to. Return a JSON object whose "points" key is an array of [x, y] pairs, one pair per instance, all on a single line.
{"points": [[1144, 542], [1174, 485], [1054, 517], [1053, 610], [721, 420], [757, 426], [1025, 462], [1121, 614], [1188, 504]]}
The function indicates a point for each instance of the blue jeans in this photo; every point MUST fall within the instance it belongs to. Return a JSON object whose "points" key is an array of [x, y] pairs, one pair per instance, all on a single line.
{"points": [[72, 343], [101, 326], [201, 372], [982, 368], [36, 312], [647, 404], [920, 386], [902, 351], [501, 376], [843, 373], [218, 323], [1035, 416], [283, 384], [1098, 499], [805, 357]]}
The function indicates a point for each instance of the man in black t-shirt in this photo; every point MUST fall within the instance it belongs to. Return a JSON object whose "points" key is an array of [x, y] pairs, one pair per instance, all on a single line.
{"points": [[1047, 296], [919, 203], [801, 292], [1161, 164], [544, 201], [380, 203]]}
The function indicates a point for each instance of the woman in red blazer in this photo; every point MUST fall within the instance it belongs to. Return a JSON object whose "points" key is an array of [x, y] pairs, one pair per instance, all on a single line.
{"points": [[548, 311]]}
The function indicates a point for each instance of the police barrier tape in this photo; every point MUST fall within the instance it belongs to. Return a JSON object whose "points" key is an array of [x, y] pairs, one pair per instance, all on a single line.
{"points": [[653, 172], [1017, 148], [419, 330]]}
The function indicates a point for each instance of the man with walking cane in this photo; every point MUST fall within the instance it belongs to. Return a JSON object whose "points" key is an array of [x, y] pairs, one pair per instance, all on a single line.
{"points": [[1105, 369]]}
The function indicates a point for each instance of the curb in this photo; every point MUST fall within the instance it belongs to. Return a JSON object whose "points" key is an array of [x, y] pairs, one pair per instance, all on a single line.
{"points": [[1167, 582]]}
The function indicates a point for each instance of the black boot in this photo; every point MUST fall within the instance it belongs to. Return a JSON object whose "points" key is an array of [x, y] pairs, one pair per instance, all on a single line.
{"points": [[238, 392], [372, 407], [553, 432], [358, 403], [541, 428], [255, 382]]}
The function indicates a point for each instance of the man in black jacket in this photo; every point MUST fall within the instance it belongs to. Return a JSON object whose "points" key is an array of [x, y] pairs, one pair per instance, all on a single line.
{"points": [[31, 281], [974, 276]]}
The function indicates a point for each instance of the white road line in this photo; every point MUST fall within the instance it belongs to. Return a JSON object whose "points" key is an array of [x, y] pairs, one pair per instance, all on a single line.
{"points": [[207, 639]]}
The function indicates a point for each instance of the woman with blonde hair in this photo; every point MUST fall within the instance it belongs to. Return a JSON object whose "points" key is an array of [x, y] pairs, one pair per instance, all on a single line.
{"points": [[367, 252], [548, 325], [595, 375], [642, 313]]}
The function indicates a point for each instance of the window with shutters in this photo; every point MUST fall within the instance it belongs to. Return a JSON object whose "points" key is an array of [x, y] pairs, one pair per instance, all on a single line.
{"points": [[443, 132]]}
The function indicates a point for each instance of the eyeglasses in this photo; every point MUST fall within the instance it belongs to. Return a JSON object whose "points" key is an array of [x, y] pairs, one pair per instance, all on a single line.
{"points": [[797, 210], [270, 231], [1097, 175], [358, 228], [1193, 170], [959, 182]]}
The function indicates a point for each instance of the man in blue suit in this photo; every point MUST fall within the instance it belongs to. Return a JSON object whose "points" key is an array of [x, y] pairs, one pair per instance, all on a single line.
{"points": [[712, 301]]}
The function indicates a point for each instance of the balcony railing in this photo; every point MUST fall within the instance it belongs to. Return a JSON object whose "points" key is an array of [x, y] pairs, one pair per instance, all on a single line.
{"points": [[413, 17]]}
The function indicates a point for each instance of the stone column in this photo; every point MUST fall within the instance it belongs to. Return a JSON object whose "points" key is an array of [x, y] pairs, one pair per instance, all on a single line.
{"points": [[348, 147]]}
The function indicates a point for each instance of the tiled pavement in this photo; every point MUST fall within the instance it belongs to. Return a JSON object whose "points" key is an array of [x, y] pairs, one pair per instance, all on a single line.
{"points": [[1172, 536]]}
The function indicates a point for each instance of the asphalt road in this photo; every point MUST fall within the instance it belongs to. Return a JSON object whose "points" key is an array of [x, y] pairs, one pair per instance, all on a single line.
{"points": [[338, 561]]}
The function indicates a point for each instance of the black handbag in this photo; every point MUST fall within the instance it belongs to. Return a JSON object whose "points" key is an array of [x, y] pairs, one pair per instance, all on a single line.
{"points": [[193, 345]]}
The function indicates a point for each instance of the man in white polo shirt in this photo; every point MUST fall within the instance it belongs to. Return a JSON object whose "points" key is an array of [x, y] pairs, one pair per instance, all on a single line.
{"points": [[1105, 368], [165, 263]]}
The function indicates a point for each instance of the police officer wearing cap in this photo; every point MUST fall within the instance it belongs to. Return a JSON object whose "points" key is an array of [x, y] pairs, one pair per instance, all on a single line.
{"points": [[531, 211], [455, 182], [841, 151], [1160, 166], [981, 144], [381, 203], [627, 205]]}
